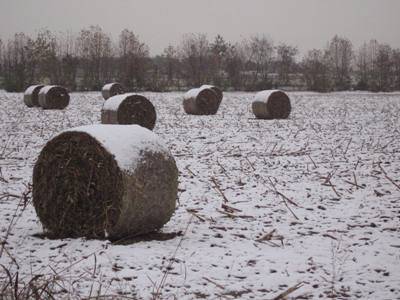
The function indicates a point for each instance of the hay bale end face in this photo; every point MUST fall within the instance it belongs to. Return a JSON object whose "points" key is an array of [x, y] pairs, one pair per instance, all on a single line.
{"points": [[104, 181], [111, 89], [31, 95], [129, 109], [217, 90], [271, 104], [53, 97], [201, 101]]}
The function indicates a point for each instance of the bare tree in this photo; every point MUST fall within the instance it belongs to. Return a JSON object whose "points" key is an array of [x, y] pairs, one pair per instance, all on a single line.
{"points": [[383, 80], [396, 69], [194, 53], [95, 51], [172, 66], [362, 69], [218, 52], [1, 63], [18, 63], [47, 67], [286, 61], [259, 52], [234, 66], [1, 57], [68, 59], [133, 58], [316, 71], [375, 67], [340, 54]]}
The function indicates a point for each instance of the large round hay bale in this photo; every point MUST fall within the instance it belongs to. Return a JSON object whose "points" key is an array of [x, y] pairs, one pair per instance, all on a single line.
{"points": [[53, 97], [217, 90], [271, 104], [104, 181], [111, 89], [129, 109], [31, 95], [201, 101]]}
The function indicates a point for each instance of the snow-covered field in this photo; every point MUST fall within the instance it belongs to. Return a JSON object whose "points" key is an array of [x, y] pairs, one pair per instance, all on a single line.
{"points": [[265, 207]]}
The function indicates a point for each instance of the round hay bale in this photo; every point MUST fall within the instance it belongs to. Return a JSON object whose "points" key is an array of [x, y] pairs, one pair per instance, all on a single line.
{"points": [[201, 101], [31, 95], [217, 90], [53, 97], [104, 181], [129, 109], [271, 104], [112, 89]]}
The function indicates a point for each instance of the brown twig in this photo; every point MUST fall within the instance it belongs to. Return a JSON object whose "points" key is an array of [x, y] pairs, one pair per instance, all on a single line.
{"points": [[194, 213], [234, 216], [161, 285], [388, 178], [309, 156], [190, 171], [334, 189], [271, 236], [251, 165], [216, 186], [288, 291], [355, 183], [283, 198], [223, 169], [230, 208], [214, 283], [347, 147]]}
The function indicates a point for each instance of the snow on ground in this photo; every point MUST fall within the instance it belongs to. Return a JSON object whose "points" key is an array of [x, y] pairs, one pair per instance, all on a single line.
{"points": [[265, 207]]}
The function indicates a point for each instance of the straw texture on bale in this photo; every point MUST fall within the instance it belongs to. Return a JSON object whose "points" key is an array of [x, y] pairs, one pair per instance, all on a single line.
{"points": [[271, 104], [31, 95], [53, 97], [129, 109], [104, 181], [201, 101], [111, 89]]}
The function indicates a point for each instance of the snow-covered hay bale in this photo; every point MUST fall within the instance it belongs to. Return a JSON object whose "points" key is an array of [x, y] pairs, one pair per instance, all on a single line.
{"points": [[271, 104], [104, 181], [111, 89], [217, 90], [201, 101], [53, 97], [129, 109], [31, 95]]}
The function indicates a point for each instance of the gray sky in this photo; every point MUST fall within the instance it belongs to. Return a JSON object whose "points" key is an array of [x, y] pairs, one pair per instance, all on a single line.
{"points": [[305, 23]]}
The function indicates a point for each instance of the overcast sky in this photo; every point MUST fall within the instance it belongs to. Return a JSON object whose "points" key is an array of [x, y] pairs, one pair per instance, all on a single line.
{"points": [[305, 23]]}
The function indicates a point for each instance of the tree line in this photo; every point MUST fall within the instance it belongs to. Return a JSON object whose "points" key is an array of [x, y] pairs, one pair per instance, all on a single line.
{"points": [[89, 59]]}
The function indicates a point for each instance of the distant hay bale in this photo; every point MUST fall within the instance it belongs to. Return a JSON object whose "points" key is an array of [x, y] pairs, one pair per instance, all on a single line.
{"points": [[104, 181], [201, 101], [31, 95], [271, 104], [112, 89], [217, 90], [129, 109], [53, 97]]}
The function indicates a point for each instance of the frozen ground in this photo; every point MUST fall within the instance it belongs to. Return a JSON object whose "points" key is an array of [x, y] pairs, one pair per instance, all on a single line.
{"points": [[265, 207]]}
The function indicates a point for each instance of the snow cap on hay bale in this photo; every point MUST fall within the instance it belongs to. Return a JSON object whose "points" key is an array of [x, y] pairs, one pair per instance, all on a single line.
{"points": [[53, 97], [129, 109], [104, 181], [31, 95], [217, 90], [111, 89], [271, 104], [201, 101]]}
